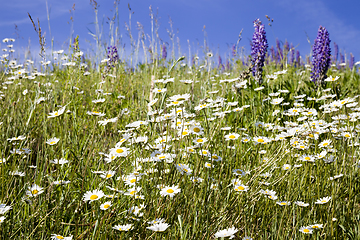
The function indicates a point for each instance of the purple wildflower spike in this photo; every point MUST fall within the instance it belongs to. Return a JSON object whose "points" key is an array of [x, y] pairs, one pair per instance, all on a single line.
{"points": [[321, 55], [351, 61], [259, 47], [113, 55], [164, 52]]}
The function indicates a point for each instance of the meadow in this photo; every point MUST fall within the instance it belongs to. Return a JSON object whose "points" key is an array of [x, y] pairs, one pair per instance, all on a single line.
{"points": [[177, 149]]}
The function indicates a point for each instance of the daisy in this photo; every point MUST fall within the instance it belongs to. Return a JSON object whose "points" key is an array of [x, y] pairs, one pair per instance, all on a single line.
{"points": [[105, 205], [306, 230], [159, 227], [183, 168], [209, 165], [283, 203], [325, 143], [57, 113], [56, 236], [247, 238], [239, 172], [93, 195], [34, 190], [262, 140], [19, 138], [276, 101], [286, 167], [52, 141], [230, 232], [119, 151], [170, 191], [323, 200], [107, 174], [200, 140], [301, 204], [98, 100], [59, 161], [316, 226], [198, 130], [241, 188], [156, 221], [2, 219], [125, 228], [231, 136]]}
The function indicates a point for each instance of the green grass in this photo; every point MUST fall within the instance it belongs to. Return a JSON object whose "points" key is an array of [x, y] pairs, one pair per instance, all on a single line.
{"points": [[198, 211]]}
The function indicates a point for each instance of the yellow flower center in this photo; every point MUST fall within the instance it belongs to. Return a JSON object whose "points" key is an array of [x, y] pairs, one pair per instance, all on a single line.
{"points": [[306, 230], [347, 135], [184, 133], [34, 191], [170, 191], [231, 136], [175, 102], [260, 140], [133, 180], [132, 192], [53, 142], [109, 175], [106, 206], [119, 150], [325, 144], [240, 188], [283, 203], [196, 129], [93, 197], [59, 237], [56, 114], [307, 158], [199, 140]]}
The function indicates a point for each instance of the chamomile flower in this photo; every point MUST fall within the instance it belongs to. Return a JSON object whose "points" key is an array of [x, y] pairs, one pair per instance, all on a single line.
{"points": [[301, 204], [56, 237], [105, 205], [316, 226], [52, 141], [241, 188], [34, 190], [93, 195], [286, 167], [283, 203], [325, 143], [306, 230], [60, 161], [323, 200], [239, 172], [231, 136], [107, 174], [124, 228], [170, 191], [200, 140], [19, 138], [230, 232], [2, 219], [57, 113], [159, 227]]}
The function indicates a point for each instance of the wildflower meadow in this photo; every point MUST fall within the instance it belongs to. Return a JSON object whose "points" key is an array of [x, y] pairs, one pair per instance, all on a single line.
{"points": [[165, 144]]}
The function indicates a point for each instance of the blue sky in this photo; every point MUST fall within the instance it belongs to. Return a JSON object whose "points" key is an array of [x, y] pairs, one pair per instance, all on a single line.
{"points": [[294, 20]]}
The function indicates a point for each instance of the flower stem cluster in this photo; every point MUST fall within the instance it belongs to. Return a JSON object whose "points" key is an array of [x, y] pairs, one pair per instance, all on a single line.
{"points": [[259, 47], [321, 55]]}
